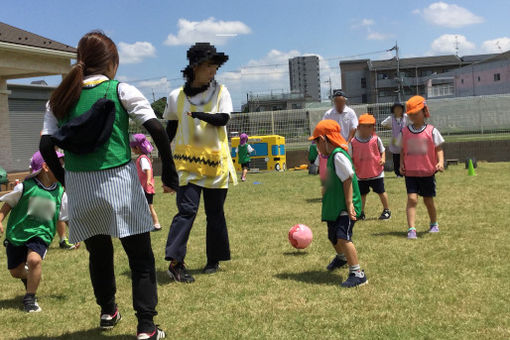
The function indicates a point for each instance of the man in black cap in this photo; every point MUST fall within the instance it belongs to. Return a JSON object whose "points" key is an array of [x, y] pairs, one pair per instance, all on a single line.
{"points": [[344, 115]]}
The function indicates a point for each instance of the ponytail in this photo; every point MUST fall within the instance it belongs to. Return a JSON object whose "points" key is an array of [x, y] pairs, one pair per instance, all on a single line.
{"points": [[68, 92], [96, 53]]}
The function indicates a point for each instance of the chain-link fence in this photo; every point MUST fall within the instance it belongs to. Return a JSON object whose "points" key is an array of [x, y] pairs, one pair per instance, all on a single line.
{"points": [[458, 119]]}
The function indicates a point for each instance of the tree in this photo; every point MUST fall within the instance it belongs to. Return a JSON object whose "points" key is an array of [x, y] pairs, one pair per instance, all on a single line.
{"points": [[159, 107]]}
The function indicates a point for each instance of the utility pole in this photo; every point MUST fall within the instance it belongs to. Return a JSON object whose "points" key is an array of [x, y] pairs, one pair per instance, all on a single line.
{"points": [[153, 97], [399, 79]]}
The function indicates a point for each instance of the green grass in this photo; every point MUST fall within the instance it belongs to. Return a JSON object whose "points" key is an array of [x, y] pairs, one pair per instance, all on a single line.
{"points": [[453, 285]]}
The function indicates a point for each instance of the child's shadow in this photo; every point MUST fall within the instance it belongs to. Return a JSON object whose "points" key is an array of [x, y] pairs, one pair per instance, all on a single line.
{"points": [[295, 253], [88, 334], [314, 200], [312, 276], [399, 234], [12, 303]]}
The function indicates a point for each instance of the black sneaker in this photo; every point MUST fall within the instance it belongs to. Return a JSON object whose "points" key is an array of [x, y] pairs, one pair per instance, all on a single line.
{"points": [[30, 304], [157, 334], [211, 268], [336, 263], [362, 216], [386, 214], [355, 281], [177, 271], [108, 321]]}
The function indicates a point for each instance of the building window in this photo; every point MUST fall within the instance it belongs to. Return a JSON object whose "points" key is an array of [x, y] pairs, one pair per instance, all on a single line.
{"points": [[363, 98], [462, 81], [497, 77], [441, 91], [363, 83], [478, 78]]}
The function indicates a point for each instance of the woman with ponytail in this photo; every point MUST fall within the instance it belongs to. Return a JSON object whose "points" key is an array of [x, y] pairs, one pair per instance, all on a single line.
{"points": [[105, 198]]}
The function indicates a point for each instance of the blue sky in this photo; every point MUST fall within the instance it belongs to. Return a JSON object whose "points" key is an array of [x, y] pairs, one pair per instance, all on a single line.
{"points": [[153, 36]]}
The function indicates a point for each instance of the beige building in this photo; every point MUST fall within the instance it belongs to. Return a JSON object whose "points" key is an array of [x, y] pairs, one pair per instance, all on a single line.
{"points": [[25, 55]]}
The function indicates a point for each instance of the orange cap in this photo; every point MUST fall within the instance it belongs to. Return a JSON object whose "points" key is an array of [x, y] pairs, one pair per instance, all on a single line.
{"points": [[366, 119], [330, 129], [415, 104]]}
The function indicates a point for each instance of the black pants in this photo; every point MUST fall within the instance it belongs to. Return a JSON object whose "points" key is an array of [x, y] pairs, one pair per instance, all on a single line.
{"points": [[143, 275], [396, 164], [188, 199]]}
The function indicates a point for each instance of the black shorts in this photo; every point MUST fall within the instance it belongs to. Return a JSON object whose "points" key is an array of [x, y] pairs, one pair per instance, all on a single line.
{"points": [[17, 255], [149, 197], [340, 229], [423, 186], [245, 165], [377, 186]]}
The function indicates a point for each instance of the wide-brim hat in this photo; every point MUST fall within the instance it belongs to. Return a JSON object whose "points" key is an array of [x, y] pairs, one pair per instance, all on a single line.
{"points": [[204, 51]]}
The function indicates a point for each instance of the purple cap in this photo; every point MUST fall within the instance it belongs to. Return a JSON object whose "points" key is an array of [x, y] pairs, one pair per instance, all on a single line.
{"points": [[37, 160], [141, 141], [243, 138]]}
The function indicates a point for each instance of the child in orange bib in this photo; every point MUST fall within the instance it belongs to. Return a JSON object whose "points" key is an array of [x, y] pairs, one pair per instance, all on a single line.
{"points": [[422, 156], [368, 154]]}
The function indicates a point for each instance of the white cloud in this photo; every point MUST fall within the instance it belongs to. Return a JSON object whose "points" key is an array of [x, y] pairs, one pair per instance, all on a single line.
{"points": [[496, 45], [210, 30], [448, 15], [135, 53], [367, 24], [446, 44], [160, 86], [378, 36], [122, 78]]}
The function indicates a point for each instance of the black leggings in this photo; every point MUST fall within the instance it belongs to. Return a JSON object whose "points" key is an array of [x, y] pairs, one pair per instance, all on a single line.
{"points": [[396, 164], [143, 275], [188, 199]]}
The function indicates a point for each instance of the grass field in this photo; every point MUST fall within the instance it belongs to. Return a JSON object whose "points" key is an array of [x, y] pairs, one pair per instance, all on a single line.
{"points": [[453, 285]]}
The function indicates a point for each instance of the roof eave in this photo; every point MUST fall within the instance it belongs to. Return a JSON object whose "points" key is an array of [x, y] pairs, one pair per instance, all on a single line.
{"points": [[37, 50]]}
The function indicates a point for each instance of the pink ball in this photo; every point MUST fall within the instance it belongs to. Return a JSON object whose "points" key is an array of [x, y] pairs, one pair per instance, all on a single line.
{"points": [[300, 236]]}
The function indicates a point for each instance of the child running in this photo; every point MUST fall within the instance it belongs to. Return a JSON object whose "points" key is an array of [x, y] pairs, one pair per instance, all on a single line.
{"points": [[396, 122], [142, 147], [35, 206], [422, 156], [368, 154], [341, 203], [88, 116], [244, 150]]}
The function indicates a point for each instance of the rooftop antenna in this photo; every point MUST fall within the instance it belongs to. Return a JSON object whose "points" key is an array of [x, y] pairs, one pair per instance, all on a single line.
{"points": [[456, 46]]}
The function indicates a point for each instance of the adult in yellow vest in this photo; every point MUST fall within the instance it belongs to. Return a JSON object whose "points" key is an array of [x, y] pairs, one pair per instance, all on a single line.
{"points": [[197, 115]]}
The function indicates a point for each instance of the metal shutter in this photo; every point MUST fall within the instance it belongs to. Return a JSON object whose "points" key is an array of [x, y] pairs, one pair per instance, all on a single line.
{"points": [[25, 135]]}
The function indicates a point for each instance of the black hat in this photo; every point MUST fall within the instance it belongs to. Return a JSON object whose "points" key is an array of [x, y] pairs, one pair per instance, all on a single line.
{"points": [[339, 93], [395, 105], [203, 51]]}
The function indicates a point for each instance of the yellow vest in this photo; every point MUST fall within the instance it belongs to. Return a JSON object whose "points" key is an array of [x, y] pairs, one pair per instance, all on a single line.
{"points": [[202, 154]]}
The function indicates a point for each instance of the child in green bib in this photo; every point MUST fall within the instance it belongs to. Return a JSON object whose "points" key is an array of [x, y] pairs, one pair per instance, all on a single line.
{"points": [[341, 202], [244, 150], [35, 207]]}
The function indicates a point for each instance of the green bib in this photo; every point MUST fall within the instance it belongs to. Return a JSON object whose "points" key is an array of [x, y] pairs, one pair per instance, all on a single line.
{"points": [[116, 151], [244, 156], [35, 215], [312, 153], [333, 202]]}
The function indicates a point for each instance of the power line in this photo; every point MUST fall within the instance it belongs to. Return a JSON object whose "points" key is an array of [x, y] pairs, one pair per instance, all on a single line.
{"points": [[263, 66]]}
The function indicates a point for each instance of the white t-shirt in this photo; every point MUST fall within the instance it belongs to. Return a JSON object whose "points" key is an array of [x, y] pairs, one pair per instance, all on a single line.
{"points": [[12, 198], [133, 101], [387, 121], [145, 164], [381, 147], [436, 135], [347, 120], [343, 169]]}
